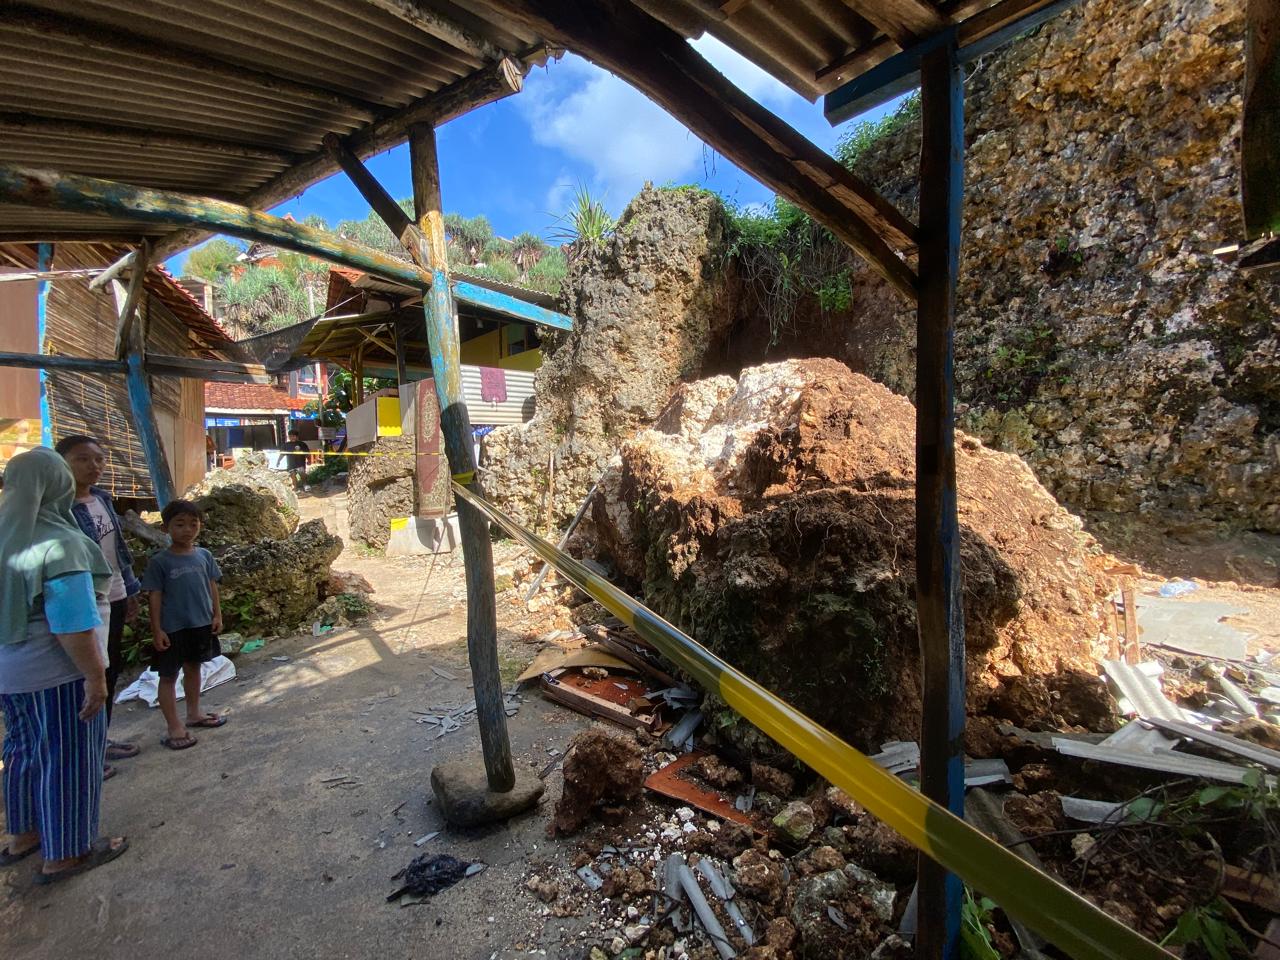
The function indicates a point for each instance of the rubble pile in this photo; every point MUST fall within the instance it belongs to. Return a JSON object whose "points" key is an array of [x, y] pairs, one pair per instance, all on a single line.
{"points": [[772, 517]]}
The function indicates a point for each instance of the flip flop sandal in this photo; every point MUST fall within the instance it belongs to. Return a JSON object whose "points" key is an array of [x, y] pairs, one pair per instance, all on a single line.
{"points": [[108, 772], [179, 743], [8, 859], [212, 720], [122, 751], [101, 852]]}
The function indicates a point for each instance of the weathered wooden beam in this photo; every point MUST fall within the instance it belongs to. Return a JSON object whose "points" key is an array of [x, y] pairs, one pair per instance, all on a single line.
{"points": [[42, 26], [474, 295], [51, 361], [127, 301], [1260, 130], [455, 425], [383, 204], [49, 189], [494, 83], [141, 407], [939, 593], [906, 21], [137, 138], [899, 73], [435, 24], [653, 58]]}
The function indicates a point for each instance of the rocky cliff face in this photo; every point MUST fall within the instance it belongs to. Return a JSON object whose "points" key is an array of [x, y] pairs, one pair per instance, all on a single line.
{"points": [[646, 304], [1098, 337]]}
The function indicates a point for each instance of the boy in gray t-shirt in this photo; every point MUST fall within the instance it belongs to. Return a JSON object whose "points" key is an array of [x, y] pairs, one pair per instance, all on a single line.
{"points": [[186, 618]]}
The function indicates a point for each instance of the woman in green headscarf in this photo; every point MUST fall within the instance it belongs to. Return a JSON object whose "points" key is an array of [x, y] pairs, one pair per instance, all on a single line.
{"points": [[52, 671]]}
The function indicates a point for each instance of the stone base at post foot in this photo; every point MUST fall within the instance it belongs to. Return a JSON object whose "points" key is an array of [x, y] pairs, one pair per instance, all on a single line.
{"points": [[462, 790]]}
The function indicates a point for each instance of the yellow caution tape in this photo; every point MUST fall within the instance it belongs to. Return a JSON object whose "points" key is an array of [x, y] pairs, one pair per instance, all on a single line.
{"points": [[1058, 914]]}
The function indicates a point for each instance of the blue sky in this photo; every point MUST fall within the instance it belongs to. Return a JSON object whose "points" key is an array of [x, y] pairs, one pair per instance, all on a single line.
{"points": [[518, 161]]}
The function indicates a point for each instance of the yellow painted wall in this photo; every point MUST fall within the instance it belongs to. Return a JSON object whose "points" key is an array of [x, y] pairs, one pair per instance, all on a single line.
{"points": [[529, 360], [482, 351]]}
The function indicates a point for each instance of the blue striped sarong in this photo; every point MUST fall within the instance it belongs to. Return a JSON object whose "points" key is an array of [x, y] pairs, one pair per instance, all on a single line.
{"points": [[53, 768]]}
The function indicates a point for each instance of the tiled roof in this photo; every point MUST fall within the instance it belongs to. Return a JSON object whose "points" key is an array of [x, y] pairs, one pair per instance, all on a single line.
{"points": [[249, 396]]}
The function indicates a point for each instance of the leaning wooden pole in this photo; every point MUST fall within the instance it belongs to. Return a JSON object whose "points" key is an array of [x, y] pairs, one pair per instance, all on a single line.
{"points": [[455, 424], [938, 589], [139, 389]]}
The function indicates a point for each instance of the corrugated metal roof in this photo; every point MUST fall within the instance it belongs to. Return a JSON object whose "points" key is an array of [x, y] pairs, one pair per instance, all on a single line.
{"points": [[213, 98]]}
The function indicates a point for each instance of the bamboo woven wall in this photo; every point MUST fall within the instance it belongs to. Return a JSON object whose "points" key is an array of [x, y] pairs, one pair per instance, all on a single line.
{"points": [[81, 322]]}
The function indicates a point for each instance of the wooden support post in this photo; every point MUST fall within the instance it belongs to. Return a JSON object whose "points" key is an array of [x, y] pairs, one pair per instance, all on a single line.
{"points": [[455, 424], [140, 403], [938, 588], [399, 335], [127, 302], [357, 376]]}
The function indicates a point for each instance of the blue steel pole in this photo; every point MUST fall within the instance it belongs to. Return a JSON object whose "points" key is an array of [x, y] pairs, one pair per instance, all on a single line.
{"points": [[939, 597]]}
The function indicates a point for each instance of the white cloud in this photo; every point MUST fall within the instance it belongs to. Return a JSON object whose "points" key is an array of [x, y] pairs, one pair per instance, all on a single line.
{"points": [[559, 194], [595, 118], [619, 135]]}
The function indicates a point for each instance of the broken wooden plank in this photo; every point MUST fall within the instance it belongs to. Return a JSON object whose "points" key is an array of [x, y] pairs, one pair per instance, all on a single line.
{"points": [[635, 653], [1250, 887], [591, 697]]}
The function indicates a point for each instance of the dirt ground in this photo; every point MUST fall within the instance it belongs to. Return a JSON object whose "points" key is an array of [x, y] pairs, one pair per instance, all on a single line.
{"points": [[277, 836], [246, 845]]}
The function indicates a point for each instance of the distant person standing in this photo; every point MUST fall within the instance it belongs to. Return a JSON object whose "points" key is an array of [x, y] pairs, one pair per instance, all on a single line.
{"points": [[210, 451], [96, 516], [297, 458]]}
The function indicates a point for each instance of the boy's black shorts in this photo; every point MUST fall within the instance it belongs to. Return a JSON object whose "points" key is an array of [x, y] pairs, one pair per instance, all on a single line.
{"points": [[193, 645]]}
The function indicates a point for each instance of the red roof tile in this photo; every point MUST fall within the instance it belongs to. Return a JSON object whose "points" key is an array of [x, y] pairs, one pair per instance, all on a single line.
{"points": [[249, 396]]}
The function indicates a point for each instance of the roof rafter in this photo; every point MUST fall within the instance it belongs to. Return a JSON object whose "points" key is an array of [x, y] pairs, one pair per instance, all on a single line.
{"points": [[138, 138], [435, 24], [40, 24], [906, 21], [501, 80]]}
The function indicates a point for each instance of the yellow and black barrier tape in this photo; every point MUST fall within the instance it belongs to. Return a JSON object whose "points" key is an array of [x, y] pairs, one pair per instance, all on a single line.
{"points": [[1058, 914]]}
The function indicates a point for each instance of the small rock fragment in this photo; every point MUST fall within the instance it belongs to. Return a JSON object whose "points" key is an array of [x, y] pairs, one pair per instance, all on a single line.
{"points": [[796, 821], [772, 780]]}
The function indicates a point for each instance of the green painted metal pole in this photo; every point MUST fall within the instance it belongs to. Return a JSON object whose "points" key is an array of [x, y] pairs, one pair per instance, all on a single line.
{"points": [[455, 424]]}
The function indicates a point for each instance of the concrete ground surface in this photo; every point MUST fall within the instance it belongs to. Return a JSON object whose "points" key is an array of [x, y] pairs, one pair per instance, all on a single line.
{"points": [[278, 834]]}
